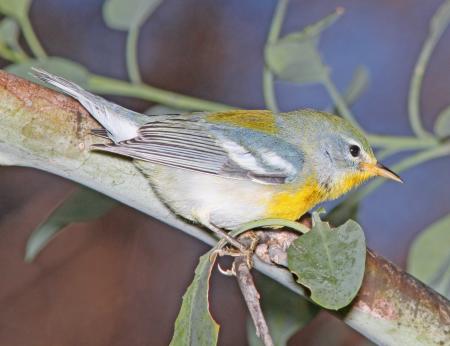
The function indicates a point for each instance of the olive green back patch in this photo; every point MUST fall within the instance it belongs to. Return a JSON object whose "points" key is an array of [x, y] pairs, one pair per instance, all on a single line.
{"points": [[258, 120]]}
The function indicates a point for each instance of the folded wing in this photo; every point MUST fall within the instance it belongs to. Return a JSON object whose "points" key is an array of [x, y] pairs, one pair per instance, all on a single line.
{"points": [[231, 152]]}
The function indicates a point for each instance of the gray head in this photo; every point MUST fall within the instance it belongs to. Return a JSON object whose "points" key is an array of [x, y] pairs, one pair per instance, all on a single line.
{"points": [[340, 153]]}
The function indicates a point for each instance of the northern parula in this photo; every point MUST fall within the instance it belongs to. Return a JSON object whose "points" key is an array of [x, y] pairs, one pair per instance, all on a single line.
{"points": [[223, 169]]}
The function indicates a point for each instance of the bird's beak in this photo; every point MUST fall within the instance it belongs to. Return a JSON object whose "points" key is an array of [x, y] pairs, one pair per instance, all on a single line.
{"points": [[379, 170]]}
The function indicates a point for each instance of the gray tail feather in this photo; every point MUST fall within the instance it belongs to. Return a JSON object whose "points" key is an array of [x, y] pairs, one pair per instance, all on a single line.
{"points": [[61, 83], [100, 133], [115, 119]]}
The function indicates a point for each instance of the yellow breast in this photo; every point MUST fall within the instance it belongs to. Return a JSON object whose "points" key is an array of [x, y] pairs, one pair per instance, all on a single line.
{"points": [[295, 201]]}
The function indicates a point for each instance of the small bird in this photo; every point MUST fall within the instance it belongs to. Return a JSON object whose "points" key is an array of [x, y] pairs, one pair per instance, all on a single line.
{"points": [[223, 169]]}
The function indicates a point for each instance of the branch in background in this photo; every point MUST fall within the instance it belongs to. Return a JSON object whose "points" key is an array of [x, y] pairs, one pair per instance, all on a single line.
{"points": [[391, 308], [438, 25], [339, 101], [110, 86], [31, 38], [132, 56], [129, 16], [268, 78]]}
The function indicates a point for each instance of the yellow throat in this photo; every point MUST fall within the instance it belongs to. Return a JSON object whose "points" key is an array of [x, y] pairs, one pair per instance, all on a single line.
{"points": [[293, 203]]}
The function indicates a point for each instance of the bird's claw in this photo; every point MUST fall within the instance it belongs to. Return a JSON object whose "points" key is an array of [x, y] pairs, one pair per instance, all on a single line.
{"points": [[247, 253], [227, 272]]}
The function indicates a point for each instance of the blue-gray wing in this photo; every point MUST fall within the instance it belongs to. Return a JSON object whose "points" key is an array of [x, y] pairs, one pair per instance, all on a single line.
{"points": [[231, 152]]}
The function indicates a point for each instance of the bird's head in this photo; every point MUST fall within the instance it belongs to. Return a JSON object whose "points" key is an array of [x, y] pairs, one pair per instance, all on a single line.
{"points": [[344, 158]]}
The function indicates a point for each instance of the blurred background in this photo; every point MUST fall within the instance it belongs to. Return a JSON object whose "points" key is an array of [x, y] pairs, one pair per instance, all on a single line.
{"points": [[119, 280]]}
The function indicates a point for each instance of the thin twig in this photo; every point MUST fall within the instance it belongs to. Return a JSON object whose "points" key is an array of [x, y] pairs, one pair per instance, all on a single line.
{"points": [[339, 101], [111, 86], [132, 55], [438, 25], [268, 78], [31, 38], [251, 296]]}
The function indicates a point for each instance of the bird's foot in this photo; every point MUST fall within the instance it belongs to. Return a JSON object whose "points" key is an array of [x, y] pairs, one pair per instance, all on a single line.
{"points": [[224, 249]]}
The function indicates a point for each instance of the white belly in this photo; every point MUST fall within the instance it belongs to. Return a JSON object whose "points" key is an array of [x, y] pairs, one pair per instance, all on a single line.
{"points": [[204, 198]]}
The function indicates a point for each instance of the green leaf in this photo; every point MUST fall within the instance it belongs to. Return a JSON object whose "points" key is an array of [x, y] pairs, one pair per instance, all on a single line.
{"points": [[9, 41], [15, 8], [59, 66], [442, 124], [9, 33], [123, 15], [295, 61], [429, 256], [330, 262], [295, 57], [285, 312], [358, 84], [82, 205], [344, 211], [194, 324]]}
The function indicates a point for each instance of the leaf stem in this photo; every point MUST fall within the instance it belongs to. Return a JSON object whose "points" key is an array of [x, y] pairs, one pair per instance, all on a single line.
{"points": [[338, 100], [438, 25], [131, 54], [111, 86], [269, 91], [31, 38], [274, 32], [296, 226]]}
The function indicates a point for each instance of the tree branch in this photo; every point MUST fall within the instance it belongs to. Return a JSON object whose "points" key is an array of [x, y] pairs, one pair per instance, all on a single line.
{"points": [[251, 296], [42, 129]]}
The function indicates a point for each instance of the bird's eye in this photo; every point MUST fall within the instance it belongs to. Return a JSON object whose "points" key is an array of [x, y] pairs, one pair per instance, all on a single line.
{"points": [[355, 150]]}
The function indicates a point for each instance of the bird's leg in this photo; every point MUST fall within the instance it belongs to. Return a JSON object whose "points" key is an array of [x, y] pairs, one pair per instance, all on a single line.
{"points": [[228, 238], [241, 250], [202, 217]]}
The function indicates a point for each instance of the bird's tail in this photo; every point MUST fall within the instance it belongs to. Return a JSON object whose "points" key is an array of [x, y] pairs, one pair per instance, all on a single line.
{"points": [[117, 121]]}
